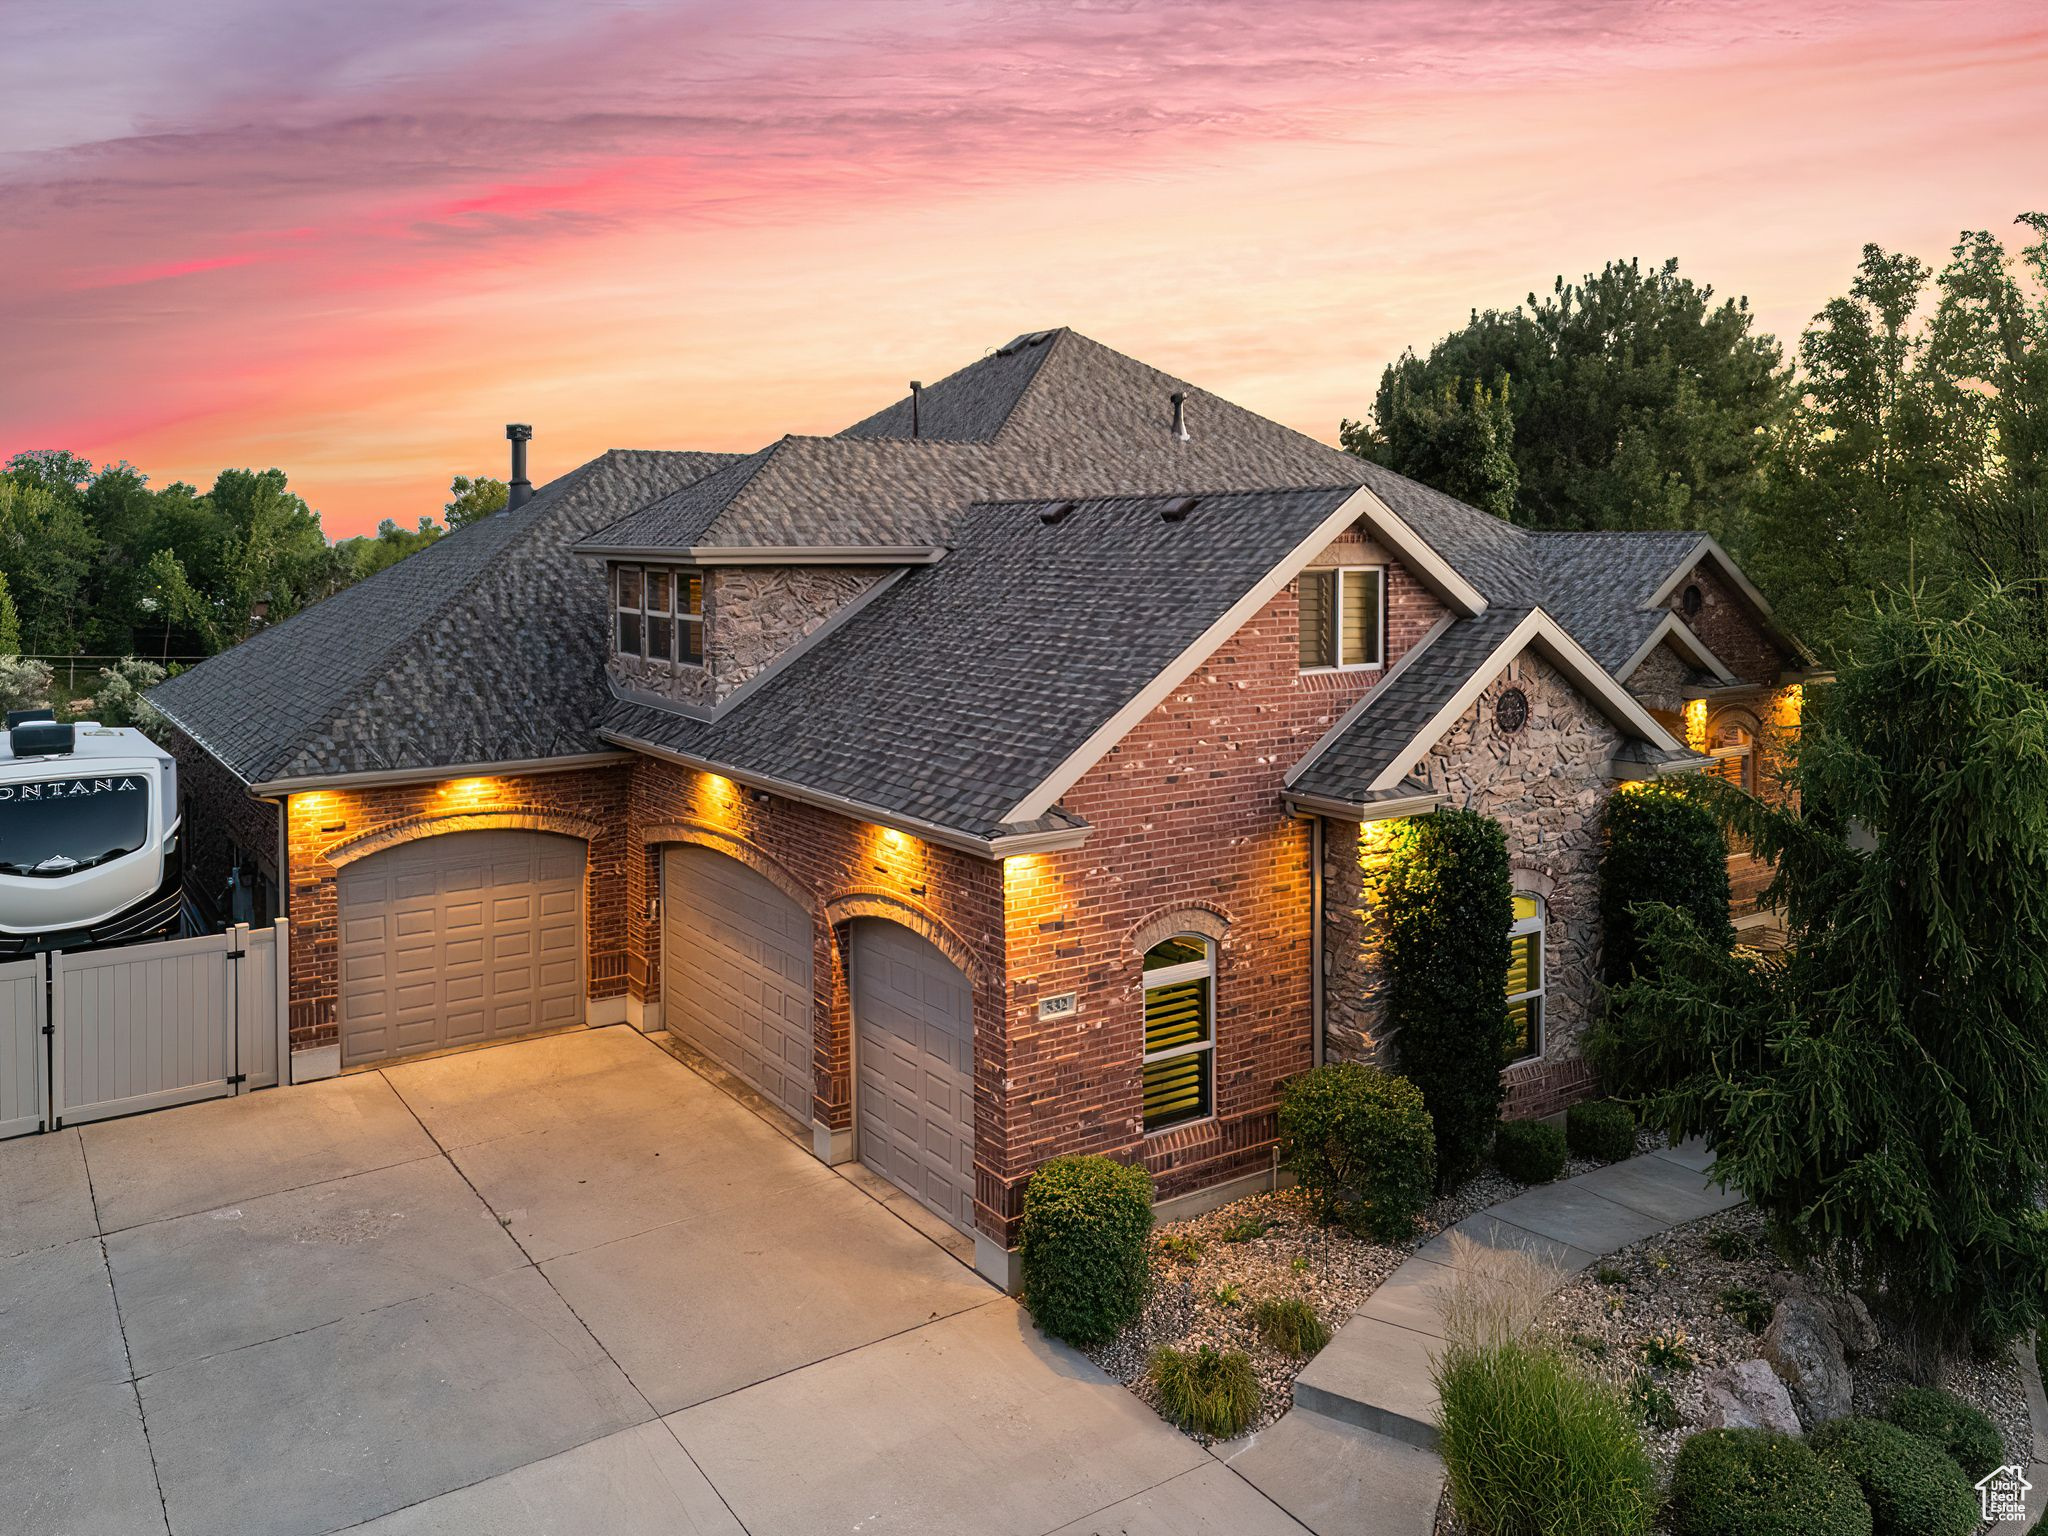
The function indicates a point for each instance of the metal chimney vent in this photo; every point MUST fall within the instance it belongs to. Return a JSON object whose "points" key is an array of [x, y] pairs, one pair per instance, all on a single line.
{"points": [[521, 488], [1180, 415]]}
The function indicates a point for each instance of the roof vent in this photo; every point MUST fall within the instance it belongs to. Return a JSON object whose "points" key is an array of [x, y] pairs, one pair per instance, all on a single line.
{"points": [[916, 392], [1057, 513], [1177, 510], [1180, 415], [40, 738], [519, 488]]}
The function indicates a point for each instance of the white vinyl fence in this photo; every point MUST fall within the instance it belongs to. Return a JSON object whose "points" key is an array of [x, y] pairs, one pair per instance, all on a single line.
{"points": [[142, 1026]]}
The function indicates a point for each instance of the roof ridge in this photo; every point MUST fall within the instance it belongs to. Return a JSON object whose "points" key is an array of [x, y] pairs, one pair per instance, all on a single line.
{"points": [[1288, 489], [1054, 340]]}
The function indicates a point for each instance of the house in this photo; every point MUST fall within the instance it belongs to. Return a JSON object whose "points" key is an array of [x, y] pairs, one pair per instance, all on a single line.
{"points": [[999, 778]]}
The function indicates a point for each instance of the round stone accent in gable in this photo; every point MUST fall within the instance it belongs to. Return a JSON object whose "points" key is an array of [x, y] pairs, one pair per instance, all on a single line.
{"points": [[1511, 711]]}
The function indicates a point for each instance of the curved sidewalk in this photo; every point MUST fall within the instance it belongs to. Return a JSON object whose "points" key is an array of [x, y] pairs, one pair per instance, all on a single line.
{"points": [[1357, 1453]]}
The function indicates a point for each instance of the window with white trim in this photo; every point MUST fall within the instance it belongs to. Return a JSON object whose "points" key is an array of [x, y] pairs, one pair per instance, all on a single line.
{"points": [[1343, 618], [1525, 979], [1180, 1031], [660, 614]]}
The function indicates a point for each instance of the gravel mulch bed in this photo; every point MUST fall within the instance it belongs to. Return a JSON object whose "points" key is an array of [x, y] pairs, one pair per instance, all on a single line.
{"points": [[1266, 1245], [1671, 1288], [1263, 1245]]}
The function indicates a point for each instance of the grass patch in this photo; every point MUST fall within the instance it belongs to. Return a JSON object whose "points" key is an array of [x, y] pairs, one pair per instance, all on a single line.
{"points": [[1290, 1325], [1653, 1402], [1748, 1306], [1212, 1392]]}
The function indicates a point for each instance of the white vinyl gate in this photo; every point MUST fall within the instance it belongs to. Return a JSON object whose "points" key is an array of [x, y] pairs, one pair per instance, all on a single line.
{"points": [[143, 1026]]}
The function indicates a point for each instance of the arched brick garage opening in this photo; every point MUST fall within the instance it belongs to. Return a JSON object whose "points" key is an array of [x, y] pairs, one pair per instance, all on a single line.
{"points": [[913, 1060], [737, 972], [459, 938]]}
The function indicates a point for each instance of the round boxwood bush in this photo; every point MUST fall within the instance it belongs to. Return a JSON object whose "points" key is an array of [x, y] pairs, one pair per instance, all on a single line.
{"points": [[1602, 1129], [1913, 1489], [1360, 1146], [1534, 1448], [1964, 1433], [1529, 1151], [1752, 1482], [1087, 1222]]}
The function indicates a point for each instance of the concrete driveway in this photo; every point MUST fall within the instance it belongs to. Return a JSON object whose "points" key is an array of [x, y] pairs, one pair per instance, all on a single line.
{"points": [[558, 1287]]}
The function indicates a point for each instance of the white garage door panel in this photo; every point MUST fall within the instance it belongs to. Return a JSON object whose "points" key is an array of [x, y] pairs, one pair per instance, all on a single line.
{"points": [[914, 1068], [736, 972], [460, 939]]}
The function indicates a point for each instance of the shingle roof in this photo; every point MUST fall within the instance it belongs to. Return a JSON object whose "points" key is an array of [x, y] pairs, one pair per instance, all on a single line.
{"points": [[1595, 584], [487, 646], [958, 690], [1396, 711], [969, 406]]}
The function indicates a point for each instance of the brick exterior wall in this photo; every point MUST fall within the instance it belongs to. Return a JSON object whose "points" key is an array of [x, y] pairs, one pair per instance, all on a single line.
{"points": [[220, 815], [1728, 626], [1546, 784], [330, 828]]}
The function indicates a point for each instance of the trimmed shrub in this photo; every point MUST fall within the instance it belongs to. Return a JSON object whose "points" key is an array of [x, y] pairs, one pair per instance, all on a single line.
{"points": [[1659, 846], [1529, 1151], [1533, 1448], [1290, 1325], [1963, 1432], [1603, 1129], [1448, 907], [1212, 1392], [1913, 1489], [1087, 1222], [1360, 1146], [1752, 1482]]}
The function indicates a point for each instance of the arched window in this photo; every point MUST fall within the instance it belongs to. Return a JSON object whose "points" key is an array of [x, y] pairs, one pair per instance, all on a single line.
{"points": [[1180, 1031], [1525, 978], [1731, 743]]}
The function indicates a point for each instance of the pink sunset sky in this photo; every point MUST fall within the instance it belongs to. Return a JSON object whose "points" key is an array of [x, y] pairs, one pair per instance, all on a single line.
{"points": [[353, 241]]}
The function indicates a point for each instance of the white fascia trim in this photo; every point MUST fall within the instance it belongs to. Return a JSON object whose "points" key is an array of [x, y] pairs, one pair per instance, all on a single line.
{"points": [[1673, 628], [1363, 811], [1148, 698], [1543, 632], [1344, 721], [853, 810], [1429, 567], [377, 778], [1709, 548]]}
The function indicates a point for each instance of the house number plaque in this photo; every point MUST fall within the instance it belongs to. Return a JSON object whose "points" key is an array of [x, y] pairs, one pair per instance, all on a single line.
{"points": [[1061, 1005]]}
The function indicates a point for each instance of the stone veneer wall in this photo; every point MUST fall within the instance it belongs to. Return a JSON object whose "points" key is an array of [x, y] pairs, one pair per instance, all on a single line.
{"points": [[752, 614], [1660, 683], [1546, 784]]}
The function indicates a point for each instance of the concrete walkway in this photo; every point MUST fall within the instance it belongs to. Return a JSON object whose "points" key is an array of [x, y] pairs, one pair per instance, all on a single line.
{"points": [[1358, 1452]]}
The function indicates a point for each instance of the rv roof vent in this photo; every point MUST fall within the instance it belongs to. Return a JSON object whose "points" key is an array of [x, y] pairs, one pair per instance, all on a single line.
{"points": [[40, 738], [17, 716], [1175, 510], [1058, 512]]}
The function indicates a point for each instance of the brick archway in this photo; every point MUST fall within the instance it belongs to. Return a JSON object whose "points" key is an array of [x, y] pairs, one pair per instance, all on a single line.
{"points": [[413, 828], [702, 835], [1210, 922], [848, 905]]}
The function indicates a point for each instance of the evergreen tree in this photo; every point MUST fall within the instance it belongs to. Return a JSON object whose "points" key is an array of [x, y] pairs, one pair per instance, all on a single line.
{"points": [[1881, 1090]]}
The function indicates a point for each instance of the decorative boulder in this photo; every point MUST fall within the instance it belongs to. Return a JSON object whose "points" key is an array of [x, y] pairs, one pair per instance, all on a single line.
{"points": [[1854, 1325], [1805, 1350], [1748, 1395]]}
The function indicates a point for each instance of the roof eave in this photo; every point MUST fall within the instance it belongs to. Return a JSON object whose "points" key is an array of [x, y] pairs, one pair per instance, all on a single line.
{"points": [[1363, 811], [377, 778]]}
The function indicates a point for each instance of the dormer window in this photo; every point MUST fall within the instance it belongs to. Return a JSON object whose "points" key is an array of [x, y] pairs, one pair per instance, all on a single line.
{"points": [[1343, 618], [660, 614]]}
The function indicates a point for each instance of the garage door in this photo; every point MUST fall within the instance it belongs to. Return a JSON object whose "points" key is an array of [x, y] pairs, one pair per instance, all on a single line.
{"points": [[460, 939], [914, 1068], [736, 972]]}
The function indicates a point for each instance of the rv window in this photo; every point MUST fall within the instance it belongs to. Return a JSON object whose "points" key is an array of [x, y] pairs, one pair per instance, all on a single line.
{"points": [[54, 826]]}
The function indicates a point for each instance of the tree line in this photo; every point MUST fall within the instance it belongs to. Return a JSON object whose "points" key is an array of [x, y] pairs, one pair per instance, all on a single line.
{"points": [[97, 562], [1905, 444]]}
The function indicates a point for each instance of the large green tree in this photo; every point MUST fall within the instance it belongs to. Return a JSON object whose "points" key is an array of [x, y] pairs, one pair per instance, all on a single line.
{"points": [[1920, 449], [1635, 400], [1881, 1089]]}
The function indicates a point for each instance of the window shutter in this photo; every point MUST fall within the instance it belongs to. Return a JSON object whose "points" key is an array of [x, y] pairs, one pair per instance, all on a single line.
{"points": [[1176, 1015], [1176, 1089]]}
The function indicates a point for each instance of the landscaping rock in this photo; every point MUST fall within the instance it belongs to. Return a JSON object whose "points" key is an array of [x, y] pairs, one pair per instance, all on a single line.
{"points": [[1854, 1325], [1805, 1350], [1748, 1395]]}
